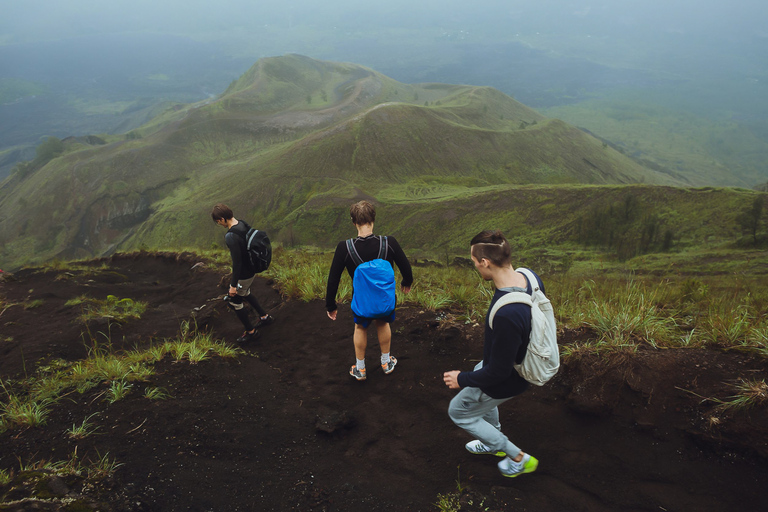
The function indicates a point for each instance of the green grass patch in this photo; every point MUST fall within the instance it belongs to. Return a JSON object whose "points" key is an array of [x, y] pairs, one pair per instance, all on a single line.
{"points": [[28, 402], [663, 302], [112, 308]]}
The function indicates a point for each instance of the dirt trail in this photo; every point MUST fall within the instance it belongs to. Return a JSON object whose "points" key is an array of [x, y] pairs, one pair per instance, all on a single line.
{"points": [[284, 427]]}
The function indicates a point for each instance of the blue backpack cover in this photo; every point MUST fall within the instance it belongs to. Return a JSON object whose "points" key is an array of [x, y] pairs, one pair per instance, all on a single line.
{"points": [[373, 283]]}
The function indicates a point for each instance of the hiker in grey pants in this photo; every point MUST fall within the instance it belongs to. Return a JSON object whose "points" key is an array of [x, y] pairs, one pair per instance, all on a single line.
{"points": [[494, 380]]}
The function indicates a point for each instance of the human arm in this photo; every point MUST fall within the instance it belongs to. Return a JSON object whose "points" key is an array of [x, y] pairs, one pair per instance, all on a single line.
{"points": [[401, 260], [334, 277], [451, 379], [236, 253]]}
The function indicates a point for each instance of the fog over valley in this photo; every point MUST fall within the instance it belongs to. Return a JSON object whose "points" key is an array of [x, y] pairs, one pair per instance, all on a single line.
{"points": [[683, 84]]}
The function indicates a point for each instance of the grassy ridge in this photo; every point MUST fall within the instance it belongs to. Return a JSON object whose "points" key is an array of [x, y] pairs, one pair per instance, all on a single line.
{"points": [[293, 136], [532, 215]]}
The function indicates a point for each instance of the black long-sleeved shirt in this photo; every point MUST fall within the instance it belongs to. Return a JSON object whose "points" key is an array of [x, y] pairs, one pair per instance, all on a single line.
{"points": [[241, 263], [505, 345], [368, 249]]}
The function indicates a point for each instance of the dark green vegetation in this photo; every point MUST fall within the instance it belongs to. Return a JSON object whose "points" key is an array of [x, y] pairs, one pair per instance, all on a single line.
{"points": [[708, 144], [292, 143]]}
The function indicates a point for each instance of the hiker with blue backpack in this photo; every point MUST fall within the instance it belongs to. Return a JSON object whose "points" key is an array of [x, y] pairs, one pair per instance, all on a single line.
{"points": [[520, 349], [369, 261], [251, 253]]}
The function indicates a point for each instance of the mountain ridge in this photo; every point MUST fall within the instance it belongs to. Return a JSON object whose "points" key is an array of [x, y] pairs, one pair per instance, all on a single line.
{"points": [[291, 128]]}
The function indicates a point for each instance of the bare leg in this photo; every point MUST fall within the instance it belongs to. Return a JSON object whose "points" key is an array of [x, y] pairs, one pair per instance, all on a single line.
{"points": [[360, 339], [385, 335]]}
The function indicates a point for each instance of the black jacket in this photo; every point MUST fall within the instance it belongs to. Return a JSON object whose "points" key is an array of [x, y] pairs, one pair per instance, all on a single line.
{"points": [[241, 263], [368, 249]]}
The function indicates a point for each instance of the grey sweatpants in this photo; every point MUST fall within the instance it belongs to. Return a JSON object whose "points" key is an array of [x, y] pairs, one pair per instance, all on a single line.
{"points": [[478, 414]]}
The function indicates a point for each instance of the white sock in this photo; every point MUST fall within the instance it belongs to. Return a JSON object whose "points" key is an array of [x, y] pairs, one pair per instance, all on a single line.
{"points": [[385, 358], [360, 364]]}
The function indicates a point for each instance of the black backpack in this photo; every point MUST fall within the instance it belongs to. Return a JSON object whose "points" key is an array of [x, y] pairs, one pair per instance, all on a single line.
{"points": [[259, 249]]}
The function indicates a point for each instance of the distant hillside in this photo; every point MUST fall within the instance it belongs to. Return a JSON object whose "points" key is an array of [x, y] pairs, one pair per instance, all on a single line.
{"points": [[291, 135]]}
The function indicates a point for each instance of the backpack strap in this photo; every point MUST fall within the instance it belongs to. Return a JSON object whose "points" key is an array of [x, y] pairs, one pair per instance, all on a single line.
{"points": [[509, 298], [383, 248], [353, 252], [531, 279], [249, 239]]}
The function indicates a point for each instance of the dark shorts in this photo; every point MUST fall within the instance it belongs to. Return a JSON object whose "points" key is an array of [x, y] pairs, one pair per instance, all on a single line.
{"points": [[365, 322]]}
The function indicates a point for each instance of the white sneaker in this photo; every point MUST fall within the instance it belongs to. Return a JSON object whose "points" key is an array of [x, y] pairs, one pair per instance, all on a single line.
{"points": [[511, 469], [479, 448]]}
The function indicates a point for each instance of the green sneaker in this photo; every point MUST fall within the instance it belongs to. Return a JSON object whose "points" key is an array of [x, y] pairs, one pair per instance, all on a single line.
{"points": [[479, 448], [511, 469]]}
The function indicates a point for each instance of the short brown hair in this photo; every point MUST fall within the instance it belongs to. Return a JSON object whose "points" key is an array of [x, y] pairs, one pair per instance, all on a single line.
{"points": [[362, 212], [221, 211], [493, 246]]}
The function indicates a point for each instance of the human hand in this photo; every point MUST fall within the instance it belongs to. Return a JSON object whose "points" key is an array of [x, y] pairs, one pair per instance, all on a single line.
{"points": [[451, 379], [332, 314], [406, 289], [232, 291]]}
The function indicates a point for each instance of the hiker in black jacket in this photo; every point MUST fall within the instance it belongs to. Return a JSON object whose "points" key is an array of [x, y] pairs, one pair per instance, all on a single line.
{"points": [[367, 247], [243, 272], [494, 380]]}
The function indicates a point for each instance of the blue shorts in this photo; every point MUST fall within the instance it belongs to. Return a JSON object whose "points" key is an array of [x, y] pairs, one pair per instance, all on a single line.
{"points": [[365, 322]]}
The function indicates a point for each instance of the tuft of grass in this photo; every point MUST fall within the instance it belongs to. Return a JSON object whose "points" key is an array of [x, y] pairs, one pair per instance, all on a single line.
{"points": [[448, 502], [84, 429], [433, 300], [23, 410], [118, 390], [103, 467], [32, 304], [729, 327], [5, 476], [578, 350], [750, 393], [631, 317], [77, 301], [113, 308], [196, 346], [156, 393], [451, 502]]}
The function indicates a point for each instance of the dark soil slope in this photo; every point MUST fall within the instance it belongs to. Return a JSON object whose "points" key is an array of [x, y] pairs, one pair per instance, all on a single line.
{"points": [[284, 427]]}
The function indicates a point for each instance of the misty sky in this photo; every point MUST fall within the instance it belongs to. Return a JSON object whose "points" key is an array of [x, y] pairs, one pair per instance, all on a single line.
{"points": [[641, 20]]}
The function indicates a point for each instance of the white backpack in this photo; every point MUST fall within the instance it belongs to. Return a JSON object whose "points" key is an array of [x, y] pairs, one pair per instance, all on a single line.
{"points": [[542, 360]]}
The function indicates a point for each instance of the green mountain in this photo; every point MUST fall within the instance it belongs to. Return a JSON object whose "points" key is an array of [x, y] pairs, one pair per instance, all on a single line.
{"points": [[289, 146]]}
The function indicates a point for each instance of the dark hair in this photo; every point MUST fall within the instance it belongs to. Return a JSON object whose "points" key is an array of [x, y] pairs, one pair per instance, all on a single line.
{"points": [[362, 212], [493, 246], [221, 211]]}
